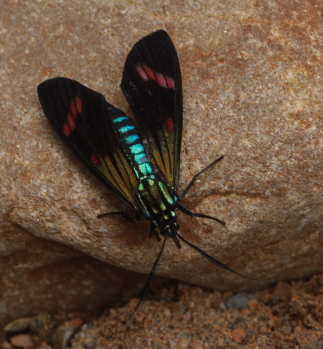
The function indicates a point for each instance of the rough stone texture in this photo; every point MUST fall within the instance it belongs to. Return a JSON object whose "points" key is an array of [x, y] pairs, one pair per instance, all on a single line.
{"points": [[42, 275], [252, 74]]}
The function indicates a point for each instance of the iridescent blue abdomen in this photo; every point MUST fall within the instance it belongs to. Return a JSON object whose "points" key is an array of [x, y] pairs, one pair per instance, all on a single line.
{"points": [[132, 145], [156, 197]]}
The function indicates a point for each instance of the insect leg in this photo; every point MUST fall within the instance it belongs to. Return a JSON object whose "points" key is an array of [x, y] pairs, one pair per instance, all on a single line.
{"points": [[153, 231], [151, 276], [197, 175], [121, 213], [187, 211], [212, 259]]}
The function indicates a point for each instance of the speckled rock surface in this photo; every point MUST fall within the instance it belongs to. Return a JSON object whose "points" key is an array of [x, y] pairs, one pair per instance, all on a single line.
{"points": [[252, 74]]}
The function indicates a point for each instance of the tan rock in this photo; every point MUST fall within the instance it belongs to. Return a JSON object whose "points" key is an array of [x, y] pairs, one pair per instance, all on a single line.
{"points": [[18, 325], [43, 275], [22, 341], [252, 76]]}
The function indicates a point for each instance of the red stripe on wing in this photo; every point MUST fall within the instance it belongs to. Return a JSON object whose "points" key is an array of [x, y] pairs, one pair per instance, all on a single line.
{"points": [[146, 73], [76, 108]]}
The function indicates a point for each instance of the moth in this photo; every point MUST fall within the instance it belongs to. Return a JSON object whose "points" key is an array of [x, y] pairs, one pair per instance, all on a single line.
{"points": [[139, 161]]}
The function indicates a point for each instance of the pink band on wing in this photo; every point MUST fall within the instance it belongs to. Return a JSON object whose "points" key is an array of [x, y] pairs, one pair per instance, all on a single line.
{"points": [[170, 82], [95, 159], [151, 74], [66, 129], [76, 108], [170, 125], [146, 73], [161, 80], [141, 72]]}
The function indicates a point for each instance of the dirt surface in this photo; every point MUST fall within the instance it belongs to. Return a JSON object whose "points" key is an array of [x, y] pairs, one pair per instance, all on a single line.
{"points": [[289, 315]]}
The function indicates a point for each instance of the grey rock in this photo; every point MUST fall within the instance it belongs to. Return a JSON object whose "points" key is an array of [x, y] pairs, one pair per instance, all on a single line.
{"points": [[238, 301]]}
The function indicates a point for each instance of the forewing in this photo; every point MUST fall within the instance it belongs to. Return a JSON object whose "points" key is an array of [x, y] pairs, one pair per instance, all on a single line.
{"points": [[82, 119], [152, 84]]}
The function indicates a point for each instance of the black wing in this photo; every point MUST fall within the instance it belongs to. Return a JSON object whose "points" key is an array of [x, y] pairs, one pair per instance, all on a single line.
{"points": [[82, 119], [152, 84]]}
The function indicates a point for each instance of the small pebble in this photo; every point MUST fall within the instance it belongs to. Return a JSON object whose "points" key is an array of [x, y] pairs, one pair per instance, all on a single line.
{"points": [[238, 335], [42, 326], [5, 345], [18, 325], [22, 340], [238, 301], [197, 345], [44, 345], [65, 332], [282, 292]]}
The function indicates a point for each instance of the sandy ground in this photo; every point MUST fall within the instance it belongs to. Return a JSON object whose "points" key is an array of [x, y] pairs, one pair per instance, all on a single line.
{"points": [[289, 315]]}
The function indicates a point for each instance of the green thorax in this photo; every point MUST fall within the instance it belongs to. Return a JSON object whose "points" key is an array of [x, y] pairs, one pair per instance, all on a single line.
{"points": [[157, 200]]}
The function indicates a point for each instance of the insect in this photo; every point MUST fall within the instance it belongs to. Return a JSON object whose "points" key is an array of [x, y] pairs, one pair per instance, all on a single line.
{"points": [[138, 162]]}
